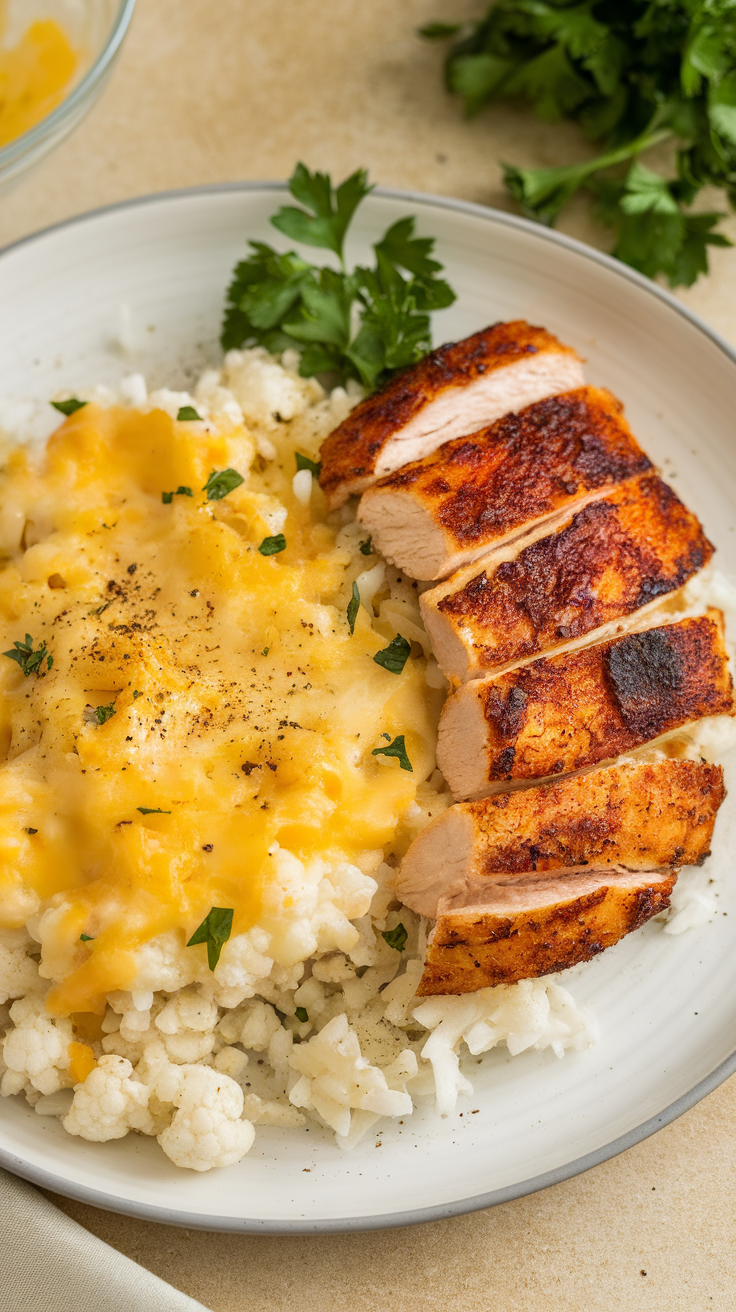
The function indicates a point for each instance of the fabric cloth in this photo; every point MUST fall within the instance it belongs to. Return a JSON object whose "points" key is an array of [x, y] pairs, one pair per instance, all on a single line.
{"points": [[48, 1263]]}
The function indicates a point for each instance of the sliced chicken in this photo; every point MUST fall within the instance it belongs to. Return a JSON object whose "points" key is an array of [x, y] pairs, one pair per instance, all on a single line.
{"points": [[525, 928], [477, 492], [615, 556], [569, 712], [454, 390], [637, 816]]}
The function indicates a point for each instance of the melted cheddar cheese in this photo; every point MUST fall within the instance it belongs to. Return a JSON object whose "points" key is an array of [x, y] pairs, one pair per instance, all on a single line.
{"points": [[34, 77], [245, 712]]}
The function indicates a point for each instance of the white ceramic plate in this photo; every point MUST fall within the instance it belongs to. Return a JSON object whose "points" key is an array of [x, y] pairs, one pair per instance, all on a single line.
{"points": [[666, 1005]]}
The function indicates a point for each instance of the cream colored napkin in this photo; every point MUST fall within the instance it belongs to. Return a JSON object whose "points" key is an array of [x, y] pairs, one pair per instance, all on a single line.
{"points": [[48, 1263]]}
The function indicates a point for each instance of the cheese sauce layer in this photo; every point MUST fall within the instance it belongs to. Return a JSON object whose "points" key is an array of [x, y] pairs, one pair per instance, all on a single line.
{"points": [[197, 705]]}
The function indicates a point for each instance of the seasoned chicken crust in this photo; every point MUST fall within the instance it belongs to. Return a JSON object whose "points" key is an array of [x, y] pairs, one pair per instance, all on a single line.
{"points": [[568, 712], [641, 815], [530, 928], [456, 389], [439, 513], [610, 559]]}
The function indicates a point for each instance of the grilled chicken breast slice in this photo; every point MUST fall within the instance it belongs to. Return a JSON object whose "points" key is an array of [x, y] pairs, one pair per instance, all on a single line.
{"points": [[436, 514], [612, 558], [527, 928], [456, 389], [642, 815], [568, 712]]}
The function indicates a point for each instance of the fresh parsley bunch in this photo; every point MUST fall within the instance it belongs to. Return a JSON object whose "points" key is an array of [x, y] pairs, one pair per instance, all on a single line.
{"points": [[362, 323], [632, 73]]}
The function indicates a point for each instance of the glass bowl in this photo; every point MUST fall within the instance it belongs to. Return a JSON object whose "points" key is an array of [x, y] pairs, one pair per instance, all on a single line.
{"points": [[97, 27]]}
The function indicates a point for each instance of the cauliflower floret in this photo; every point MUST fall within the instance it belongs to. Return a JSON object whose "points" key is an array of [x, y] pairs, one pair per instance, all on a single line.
{"points": [[207, 1129], [18, 973], [109, 1103], [37, 1048], [337, 1078]]}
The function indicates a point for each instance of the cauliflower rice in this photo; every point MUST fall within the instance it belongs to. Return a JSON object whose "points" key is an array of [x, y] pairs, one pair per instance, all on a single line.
{"points": [[310, 1015]]}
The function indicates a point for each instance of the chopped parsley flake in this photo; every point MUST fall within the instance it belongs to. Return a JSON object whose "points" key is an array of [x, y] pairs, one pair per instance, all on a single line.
{"points": [[396, 938], [301, 1014], [366, 547], [137, 694], [154, 810], [397, 749], [272, 546], [214, 931], [69, 407], [87, 938], [353, 608], [167, 497], [303, 462], [265, 651], [31, 831], [104, 713], [395, 656], [186, 413], [30, 661], [220, 483]]}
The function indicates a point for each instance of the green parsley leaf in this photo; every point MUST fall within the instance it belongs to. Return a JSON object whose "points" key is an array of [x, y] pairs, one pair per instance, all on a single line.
{"points": [[187, 413], [104, 713], [181, 491], [366, 547], [137, 694], [301, 1014], [152, 810], [327, 211], [30, 661], [87, 938], [358, 324], [272, 546], [69, 407], [265, 651], [215, 931], [395, 656], [396, 938], [303, 462], [220, 483], [29, 830], [353, 608], [397, 749]]}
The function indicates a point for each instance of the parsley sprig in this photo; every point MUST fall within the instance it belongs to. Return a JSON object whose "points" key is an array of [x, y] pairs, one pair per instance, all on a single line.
{"points": [[633, 75], [361, 323], [30, 661]]}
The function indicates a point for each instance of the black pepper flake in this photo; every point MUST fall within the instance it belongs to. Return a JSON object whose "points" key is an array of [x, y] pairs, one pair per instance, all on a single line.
{"points": [[207, 847], [132, 569]]}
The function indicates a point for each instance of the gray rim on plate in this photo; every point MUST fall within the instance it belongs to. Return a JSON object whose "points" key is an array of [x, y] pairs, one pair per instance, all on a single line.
{"points": [[442, 1211]]}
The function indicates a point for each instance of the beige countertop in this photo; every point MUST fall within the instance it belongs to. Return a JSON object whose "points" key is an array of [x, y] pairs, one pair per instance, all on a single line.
{"points": [[207, 92]]}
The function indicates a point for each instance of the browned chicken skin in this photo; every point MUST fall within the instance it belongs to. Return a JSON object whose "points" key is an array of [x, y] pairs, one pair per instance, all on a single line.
{"points": [[642, 815], [569, 712], [527, 928], [456, 389], [610, 559], [477, 492]]}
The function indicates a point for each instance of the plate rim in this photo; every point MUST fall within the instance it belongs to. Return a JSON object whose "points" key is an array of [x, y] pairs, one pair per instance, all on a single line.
{"points": [[47, 1179]]}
